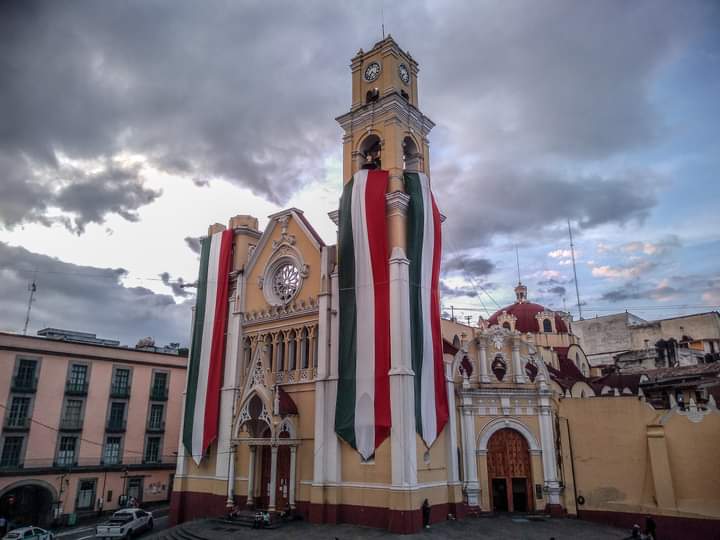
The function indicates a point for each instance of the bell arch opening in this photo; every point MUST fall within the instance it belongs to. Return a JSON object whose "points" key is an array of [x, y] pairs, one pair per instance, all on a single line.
{"points": [[370, 153], [412, 158]]}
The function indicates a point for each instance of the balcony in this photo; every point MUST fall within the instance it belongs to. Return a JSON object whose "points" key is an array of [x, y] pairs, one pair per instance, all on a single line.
{"points": [[76, 388], [156, 427], [119, 391], [71, 424], [24, 384], [158, 393], [115, 426], [19, 423]]}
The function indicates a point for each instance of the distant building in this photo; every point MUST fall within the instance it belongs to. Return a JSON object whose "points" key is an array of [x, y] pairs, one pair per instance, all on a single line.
{"points": [[636, 344], [84, 423]]}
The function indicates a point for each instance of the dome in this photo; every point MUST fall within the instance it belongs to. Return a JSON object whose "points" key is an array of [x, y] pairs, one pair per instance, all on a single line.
{"points": [[524, 313]]}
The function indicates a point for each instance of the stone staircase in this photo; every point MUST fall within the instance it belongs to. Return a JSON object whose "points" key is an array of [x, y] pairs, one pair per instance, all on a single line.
{"points": [[215, 528]]}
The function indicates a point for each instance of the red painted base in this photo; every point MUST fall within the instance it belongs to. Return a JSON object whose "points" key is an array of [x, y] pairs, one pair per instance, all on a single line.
{"points": [[555, 510], [189, 505], [668, 527]]}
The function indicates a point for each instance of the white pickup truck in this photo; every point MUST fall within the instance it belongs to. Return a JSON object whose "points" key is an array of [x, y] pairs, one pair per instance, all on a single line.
{"points": [[125, 523]]}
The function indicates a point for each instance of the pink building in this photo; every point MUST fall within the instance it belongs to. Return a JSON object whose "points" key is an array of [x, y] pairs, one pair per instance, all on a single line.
{"points": [[84, 423]]}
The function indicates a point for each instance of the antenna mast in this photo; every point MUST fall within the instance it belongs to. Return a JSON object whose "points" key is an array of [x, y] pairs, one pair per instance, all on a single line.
{"points": [[572, 253], [382, 18], [32, 287], [517, 259]]}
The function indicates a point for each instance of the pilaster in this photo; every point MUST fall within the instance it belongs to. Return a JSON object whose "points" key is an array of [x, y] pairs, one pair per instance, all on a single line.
{"points": [[482, 361]]}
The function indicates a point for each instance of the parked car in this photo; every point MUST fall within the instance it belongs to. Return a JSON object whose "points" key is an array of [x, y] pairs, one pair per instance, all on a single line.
{"points": [[125, 523], [29, 533]]}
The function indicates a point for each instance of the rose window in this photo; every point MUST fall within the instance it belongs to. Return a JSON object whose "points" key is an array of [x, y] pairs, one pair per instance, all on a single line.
{"points": [[286, 282]]}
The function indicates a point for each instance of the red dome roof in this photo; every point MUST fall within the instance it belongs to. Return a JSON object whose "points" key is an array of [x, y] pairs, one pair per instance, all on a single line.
{"points": [[525, 313]]}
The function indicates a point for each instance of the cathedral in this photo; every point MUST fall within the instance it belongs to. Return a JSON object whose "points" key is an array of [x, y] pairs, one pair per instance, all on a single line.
{"points": [[323, 381]]}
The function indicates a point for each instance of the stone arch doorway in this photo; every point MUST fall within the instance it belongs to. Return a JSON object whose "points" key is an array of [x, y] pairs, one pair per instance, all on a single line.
{"points": [[509, 472], [282, 475], [28, 503]]}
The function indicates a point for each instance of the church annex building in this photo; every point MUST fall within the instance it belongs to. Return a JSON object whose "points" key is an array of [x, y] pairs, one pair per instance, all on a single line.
{"points": [[322, 380]]}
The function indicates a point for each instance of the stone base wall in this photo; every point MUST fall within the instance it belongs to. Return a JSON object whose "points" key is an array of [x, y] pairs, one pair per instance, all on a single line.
{"points": [[668, 527]]}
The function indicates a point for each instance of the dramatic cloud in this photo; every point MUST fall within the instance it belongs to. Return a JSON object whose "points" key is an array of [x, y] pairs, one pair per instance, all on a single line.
{"points": [[176, 285], [85, 298], [506, 200], [447, 290], [623, 272], [193, 243], [466, 264]]}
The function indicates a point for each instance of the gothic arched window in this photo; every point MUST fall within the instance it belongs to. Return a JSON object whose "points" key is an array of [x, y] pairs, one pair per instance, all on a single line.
{"points": [[292, 350], [280, 351], [304, 349]]}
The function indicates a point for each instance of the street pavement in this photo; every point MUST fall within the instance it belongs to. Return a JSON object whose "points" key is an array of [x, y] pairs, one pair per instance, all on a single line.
{"points": [[87, 531]]}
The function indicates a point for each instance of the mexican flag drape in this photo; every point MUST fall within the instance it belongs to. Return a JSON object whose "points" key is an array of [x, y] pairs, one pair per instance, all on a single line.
{"points": [[424, 246], [207, 352], [362, 416]]}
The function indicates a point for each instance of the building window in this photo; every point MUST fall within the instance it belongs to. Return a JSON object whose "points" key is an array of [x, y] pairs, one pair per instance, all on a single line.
{"points": [[121, 383], [26, 370], [280, 361], [18, 416], [292, 347], [304, 349], [111, 455], [66, 453], [506, 326], [72, 416], [315, 349], [159, 390], [78, 378], [152, 450], [117, 415], [547, 325], [12, 448], [86, 495], [156, 416]]}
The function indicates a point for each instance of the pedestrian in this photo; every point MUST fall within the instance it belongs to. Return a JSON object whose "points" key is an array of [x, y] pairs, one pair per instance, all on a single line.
{"points": [[650, 528], [635, 532], [3, 526], [426, 513]]}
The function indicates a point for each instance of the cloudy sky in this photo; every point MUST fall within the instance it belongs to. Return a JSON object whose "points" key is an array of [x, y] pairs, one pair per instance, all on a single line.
{"points": [[127, 127]]}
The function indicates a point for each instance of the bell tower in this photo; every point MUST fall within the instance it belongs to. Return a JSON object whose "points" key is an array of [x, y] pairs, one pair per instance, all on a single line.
{"points": [[384, 128]]}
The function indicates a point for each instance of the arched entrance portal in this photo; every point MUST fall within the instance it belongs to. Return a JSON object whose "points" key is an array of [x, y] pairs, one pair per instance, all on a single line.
{"points": [[28, 504], [282, 483], [508, 461]]}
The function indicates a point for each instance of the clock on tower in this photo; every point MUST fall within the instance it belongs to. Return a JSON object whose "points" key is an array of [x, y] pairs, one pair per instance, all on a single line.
{"points": [[384, 127]]}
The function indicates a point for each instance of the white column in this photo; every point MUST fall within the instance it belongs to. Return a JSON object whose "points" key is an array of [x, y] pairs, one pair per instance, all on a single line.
{"points": [[402, 394], [484, 371], [251, 477], [273, 478], [547, 441], [452, 456], [228, 393], [472, 485], [231, 479], [293, 459], [517, 364], [322, 407]]}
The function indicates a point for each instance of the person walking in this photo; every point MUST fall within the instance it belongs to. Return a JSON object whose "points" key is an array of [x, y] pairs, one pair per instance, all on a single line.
{"points": [[426, 514], [3, 526], [650, 528]]}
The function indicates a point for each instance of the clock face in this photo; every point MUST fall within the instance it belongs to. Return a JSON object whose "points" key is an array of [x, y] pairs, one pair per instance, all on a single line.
{"points": [[372, 71], [404, 73]]}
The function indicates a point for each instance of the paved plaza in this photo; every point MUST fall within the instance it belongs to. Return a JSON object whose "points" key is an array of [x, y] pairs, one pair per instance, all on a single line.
{"points": [[501, 527]]}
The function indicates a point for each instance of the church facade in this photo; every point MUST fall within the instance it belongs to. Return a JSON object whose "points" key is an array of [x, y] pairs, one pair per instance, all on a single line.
{"points": [[323, 382]]}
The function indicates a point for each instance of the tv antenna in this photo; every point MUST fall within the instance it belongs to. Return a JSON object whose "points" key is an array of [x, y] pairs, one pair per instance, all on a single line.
{"points": [[572, 254], [32, 287], [517, 259], [382, 18]]}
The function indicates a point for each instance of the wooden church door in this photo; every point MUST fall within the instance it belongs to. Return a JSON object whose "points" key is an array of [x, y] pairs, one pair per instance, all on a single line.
{"points": [[508, 461]]}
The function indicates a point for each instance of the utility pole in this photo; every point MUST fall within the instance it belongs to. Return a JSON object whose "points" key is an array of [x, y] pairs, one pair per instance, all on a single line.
{"points": [[32, 287], [577, 288]]}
